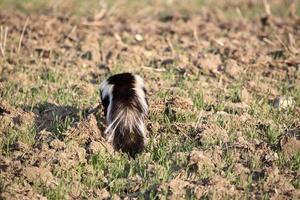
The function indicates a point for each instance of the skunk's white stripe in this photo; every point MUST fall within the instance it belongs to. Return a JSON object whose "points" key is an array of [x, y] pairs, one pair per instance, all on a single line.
{"points": [[139, 84], [106, 91]]}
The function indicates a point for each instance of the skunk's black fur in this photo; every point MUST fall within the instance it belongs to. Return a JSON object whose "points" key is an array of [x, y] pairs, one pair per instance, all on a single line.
{"points": [[123, 97]]}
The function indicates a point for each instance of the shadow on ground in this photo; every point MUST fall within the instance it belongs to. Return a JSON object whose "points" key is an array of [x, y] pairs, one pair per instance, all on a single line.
{"points": [[58, 119]]}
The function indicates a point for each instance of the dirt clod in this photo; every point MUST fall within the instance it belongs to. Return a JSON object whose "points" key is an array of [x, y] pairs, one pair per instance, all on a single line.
{"points": [[291, 146], [209, 62], [178, 188], [42, 174], [200, 159]]}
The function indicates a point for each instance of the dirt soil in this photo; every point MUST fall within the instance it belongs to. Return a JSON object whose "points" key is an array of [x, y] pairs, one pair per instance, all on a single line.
{"points": [[244, 68]]}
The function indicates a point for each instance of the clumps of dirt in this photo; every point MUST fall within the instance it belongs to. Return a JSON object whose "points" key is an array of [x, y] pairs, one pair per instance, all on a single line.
{"points": [[257, 149], [278, 185], [209, 63], [216, 186], [290, 143], [4, 163], [262, 88], [50, 153], [154, 168], [175, 106], [21, 77], [291, 146], [211, 134], [179, 104], [244, 144], [185, 53], [232, 68], [71, 156], [201, 159], [86, 132], [5, 108], [180, 129], [83, 89], [221, 187], [39, 174], [15, 191], [157, 106], [79, 142], [243, 173], [101, 194], [99, 147], [10, 116], [57, 144], [237, 108], [178, 188]]}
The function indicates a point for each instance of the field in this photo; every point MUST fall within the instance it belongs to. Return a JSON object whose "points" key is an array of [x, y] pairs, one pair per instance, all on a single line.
{"points": [[223, 81]]}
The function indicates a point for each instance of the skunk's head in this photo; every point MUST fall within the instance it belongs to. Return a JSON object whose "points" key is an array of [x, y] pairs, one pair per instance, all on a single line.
{"points": [[123, 97]]}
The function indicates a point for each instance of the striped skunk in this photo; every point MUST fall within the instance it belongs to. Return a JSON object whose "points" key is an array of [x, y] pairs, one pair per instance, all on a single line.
{"points": [[123, 97]]}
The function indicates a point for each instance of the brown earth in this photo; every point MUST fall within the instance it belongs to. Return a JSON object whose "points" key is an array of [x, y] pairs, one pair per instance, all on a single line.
{"points": [[217, 50]]}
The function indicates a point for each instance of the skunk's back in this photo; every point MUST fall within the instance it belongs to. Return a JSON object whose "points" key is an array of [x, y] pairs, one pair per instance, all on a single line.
{"points": [[125, 106]]}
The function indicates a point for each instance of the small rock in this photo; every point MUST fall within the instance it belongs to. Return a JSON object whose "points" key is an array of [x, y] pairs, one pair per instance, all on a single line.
{"points": [[138, 37], [283, 102], [36, 111]]}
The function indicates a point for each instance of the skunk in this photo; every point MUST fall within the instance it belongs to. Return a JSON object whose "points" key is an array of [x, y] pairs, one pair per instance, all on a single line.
{"points": [[123, 97]]}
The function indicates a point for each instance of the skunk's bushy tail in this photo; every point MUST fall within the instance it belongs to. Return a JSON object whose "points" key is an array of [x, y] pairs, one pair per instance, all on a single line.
{"points": [[127, 131]]}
